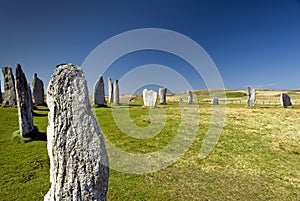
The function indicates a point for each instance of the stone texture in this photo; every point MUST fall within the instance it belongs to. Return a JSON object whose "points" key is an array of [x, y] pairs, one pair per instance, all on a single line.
{"points": [[110, 90], [251, 96], [1, 99], [215, 101], [116, 93], [163, 95], [149, 97], [37, 90], [285, 100], [9, 96], [190, 97], [99, 93], [24, 102], [78, 159]]}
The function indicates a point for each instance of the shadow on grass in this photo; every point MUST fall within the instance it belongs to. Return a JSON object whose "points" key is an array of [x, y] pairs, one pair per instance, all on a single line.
{"points": [[37, 114], [35, 135]]}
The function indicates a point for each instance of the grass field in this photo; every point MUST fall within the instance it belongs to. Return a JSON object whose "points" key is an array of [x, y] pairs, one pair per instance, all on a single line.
{"points": [[257, 156]]}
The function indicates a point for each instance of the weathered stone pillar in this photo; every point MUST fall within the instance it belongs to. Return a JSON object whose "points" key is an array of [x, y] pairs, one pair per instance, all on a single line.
{"points": [[24, 102], [116, 93], [149, 97], [285, 100], [215, 101], [9, 96], [78, 159], [110, 90], [99, 93], [37, 90], [251, 97], [190, 97], [163, 95]]}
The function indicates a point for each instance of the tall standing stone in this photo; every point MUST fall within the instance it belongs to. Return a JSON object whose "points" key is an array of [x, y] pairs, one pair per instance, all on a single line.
{"points": [[163, 95], [37, 90], [110, 90], [99, 93], [285, 100], [215, 101], [251, 97], [116, 93], [24, 102], [78, 159], [9, 96], [190, 97], [149, 97], [1, 99]]}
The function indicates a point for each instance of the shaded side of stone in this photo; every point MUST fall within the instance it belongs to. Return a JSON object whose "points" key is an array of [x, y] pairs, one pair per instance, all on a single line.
{"points": [[37, 90], [78, 159], [9, 96], [24, 102], [1, 98]]}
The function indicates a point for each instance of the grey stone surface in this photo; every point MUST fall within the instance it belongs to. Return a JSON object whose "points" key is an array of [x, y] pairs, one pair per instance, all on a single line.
{"points": [[215, 101], [251, 96], [37, 90], [163, 95], [285, 100], [78, 159], [1, 99], [190, 97], [149, 97], [9, 96], [116, 93], [24, 102], [110, 90], [99, 93]]}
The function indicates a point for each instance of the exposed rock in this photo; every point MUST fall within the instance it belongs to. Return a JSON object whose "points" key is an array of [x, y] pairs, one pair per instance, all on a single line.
{"points": [[110, 90], [99, 93], [163, 95], [24, 102], [285, 100], [78, 159], [1, 99], [190, 97], [9, 96], [215, 101], [116, 93], [149, 97], [37, 90], [251, 97]]}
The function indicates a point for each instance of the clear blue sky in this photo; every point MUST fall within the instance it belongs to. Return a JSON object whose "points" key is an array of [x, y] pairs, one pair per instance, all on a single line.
{"points": [[252, 42]]}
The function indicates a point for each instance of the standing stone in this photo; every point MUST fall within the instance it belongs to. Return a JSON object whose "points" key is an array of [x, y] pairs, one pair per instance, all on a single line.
{"points": [[9, 96], [251, 97], [78, 159], [37, 90], [116, 93], [1, 99], [24, 102], [99, 94], [149, 97], [190, 97], [215, 101], [163, 95], [285, 100], [30, 97], [110, 90]]}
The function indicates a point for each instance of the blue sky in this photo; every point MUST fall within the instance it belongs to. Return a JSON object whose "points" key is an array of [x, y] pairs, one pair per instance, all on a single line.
{"points": [[252, 42]]}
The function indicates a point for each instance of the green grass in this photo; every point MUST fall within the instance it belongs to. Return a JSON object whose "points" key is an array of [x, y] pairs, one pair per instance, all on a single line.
{"points": [[257, 157]]}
